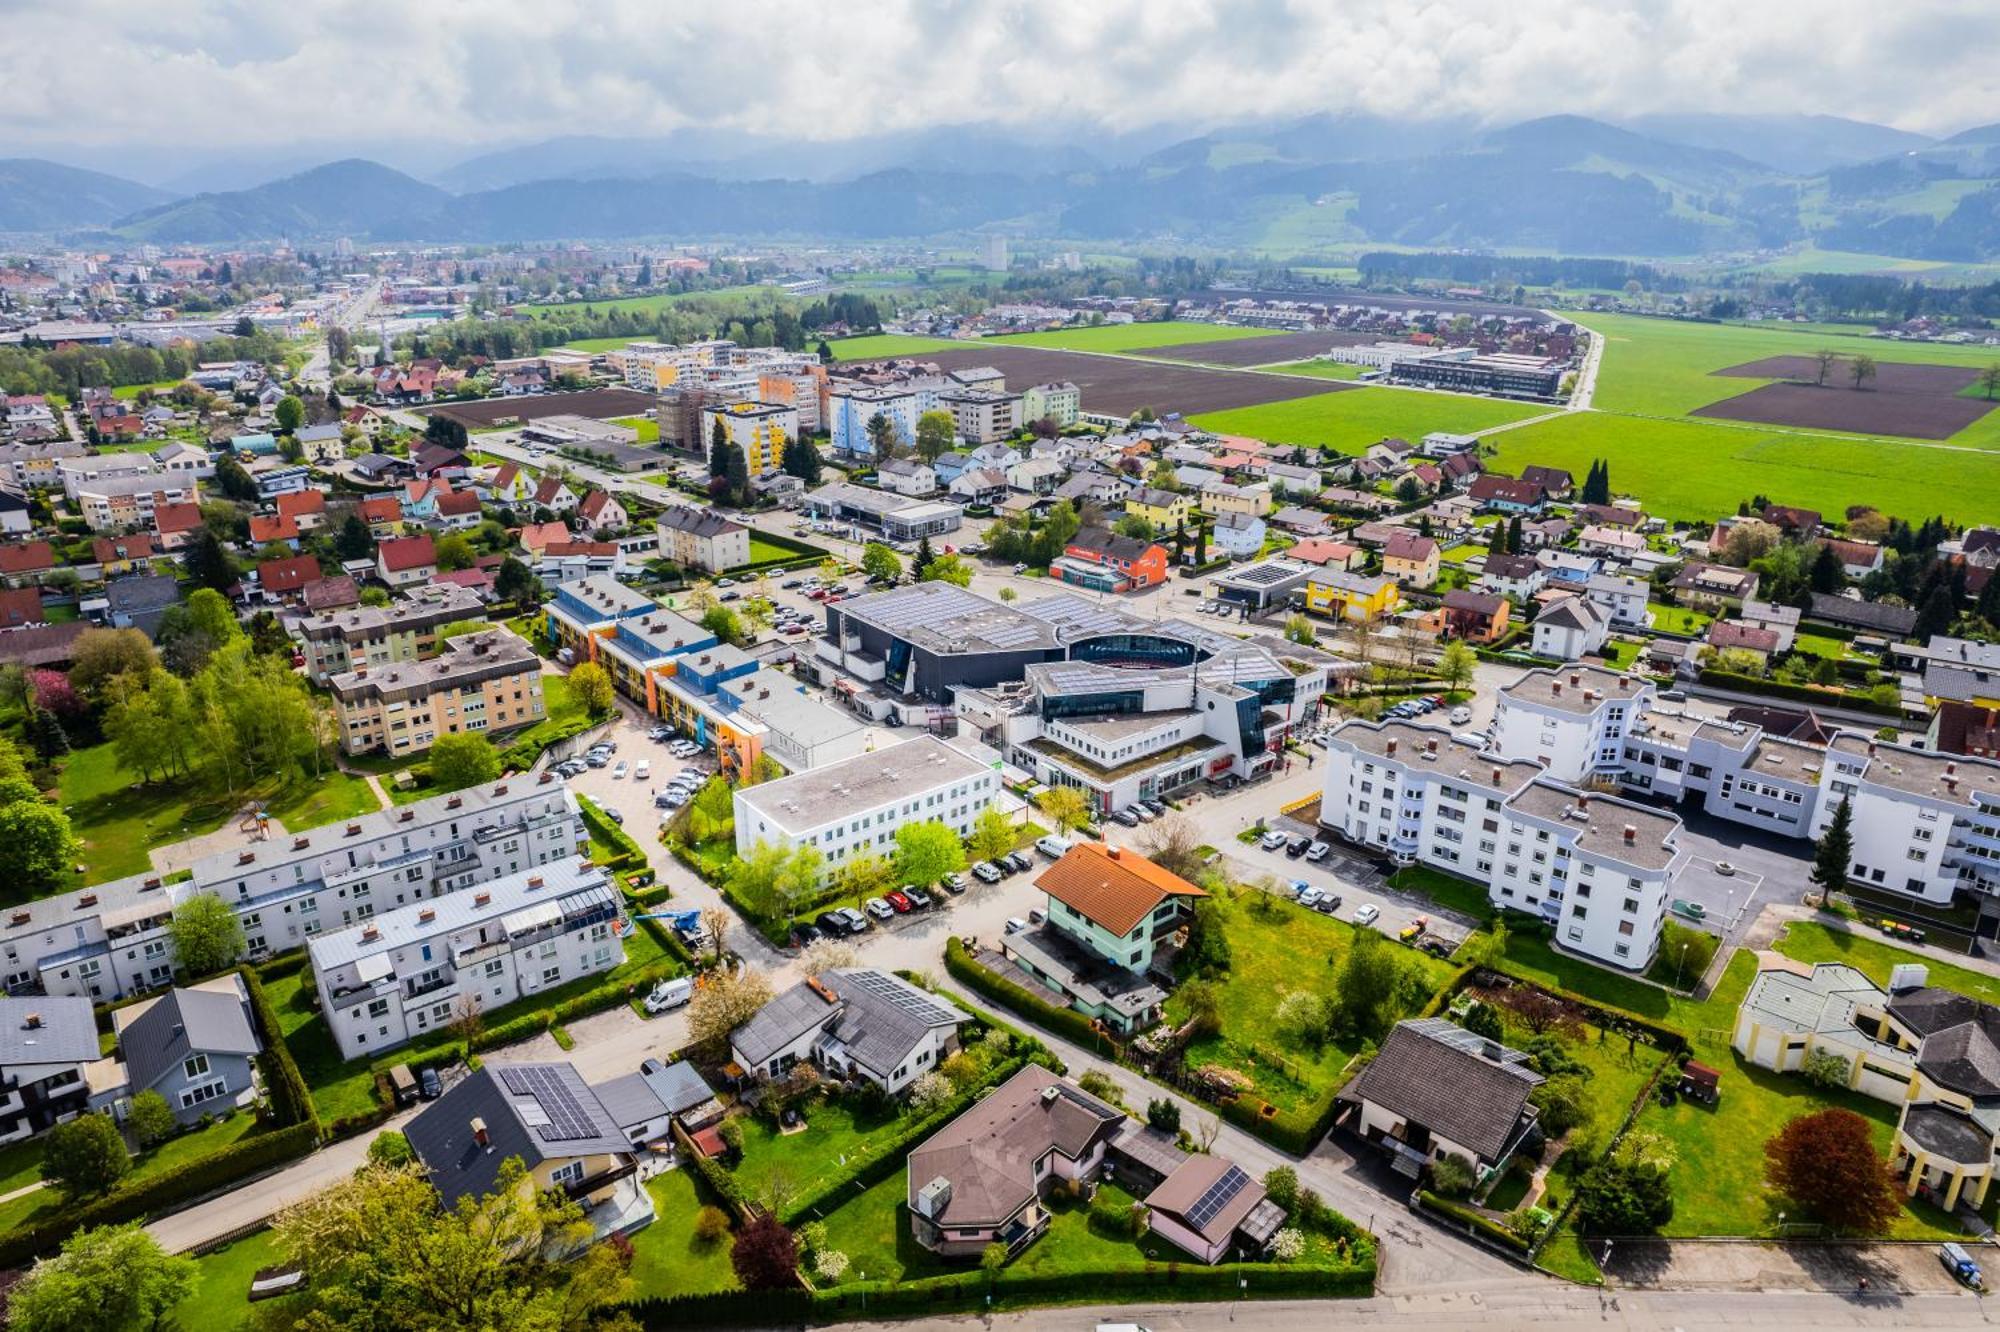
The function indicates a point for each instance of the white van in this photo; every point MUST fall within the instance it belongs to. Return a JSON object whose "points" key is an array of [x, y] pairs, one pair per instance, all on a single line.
{"points": [[670, 993], [1055, 846]]}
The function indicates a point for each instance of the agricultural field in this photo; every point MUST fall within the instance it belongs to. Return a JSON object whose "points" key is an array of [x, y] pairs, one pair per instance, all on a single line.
{"points": [[875, 346], [601, 404], [1350, 420], [1699, 469], [1132, 337], [1920, 401], [1123, 384]]}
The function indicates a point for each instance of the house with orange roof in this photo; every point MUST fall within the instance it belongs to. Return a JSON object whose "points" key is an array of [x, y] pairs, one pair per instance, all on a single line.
{"points": [[266, 528], [306, 508], [23, 562], [176, 524], [383, 514], [537, 537], [118, 554], [1110, 910]]}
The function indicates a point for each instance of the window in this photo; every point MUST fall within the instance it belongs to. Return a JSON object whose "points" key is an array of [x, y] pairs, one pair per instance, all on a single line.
{"points": [[195, 1066], [569, 1172]]}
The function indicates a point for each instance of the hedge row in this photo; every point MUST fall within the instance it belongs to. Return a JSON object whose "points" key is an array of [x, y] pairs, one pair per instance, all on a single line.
{"points": [[291, 1098], [1485, 1225], [883, 1157], [972, 1289], [1065, 1022], [158, 1193], [1751, 684], [628, 856]]}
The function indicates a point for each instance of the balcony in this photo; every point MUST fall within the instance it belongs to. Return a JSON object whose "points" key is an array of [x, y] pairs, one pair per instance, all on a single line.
{"points": [[417, 989]]}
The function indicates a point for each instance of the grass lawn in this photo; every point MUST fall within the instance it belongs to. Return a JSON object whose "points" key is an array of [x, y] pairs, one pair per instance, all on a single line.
{"points": [[1534, 959], [600, 344], [1677, 619], [761, 550], [647, 429], [118, 819], [1131, 337], [339, 1088], [804, 1161], [1819, 645], [1271, 955], [1453, 894], [1567, 1257], [22, 1165], [1318, 369], [1809, 941], [1698, 469], [131, 391], [175, 1153], [666, 1257], [1462, 555], [1351, 420], [221, 1302], [1621, 652], [876, 345]]}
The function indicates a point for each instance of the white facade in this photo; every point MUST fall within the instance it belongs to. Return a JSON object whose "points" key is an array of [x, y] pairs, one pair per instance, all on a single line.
{"points": [[854, 807], [1570, 629], [1571, 719], [400, 975], [1060, 403], [852, 408], [1621, 598], [1924, 823]]}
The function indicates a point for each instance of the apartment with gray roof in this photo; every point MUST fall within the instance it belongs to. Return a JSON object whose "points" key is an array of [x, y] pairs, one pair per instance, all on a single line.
{"points": [[45, 1043], [196, 1047]]}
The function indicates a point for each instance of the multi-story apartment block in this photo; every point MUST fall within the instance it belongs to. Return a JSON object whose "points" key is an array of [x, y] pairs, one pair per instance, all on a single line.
{"points": [[119, 502], [982, 416], [760, 429], [1598, 869], [850, 408], [702, 539], [110, 940], [1924, 823], [484, 682], [371, 637], [401, 974], [45, 1042], [1571, 719], [1058, 402], [855, 806]]}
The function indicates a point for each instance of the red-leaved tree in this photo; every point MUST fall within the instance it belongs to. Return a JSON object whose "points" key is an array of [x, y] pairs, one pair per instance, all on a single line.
{"points": [[1827, 1163], [764, 1256], [53, 693]]}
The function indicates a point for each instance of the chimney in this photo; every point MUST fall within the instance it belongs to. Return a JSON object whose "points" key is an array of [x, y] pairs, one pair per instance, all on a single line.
{"points": [[534, 880], [500, 790], [32, 1022], [1631, 833], [406, 816], [1430, 746], [87, 900], [454, 802], [369, 934], [1496, 776], [353, 830], [1950, 768], [479, 1133], [1392, 748], [1556, 688], [152, 883], [1583, 802], [246, 857], [427, 915], [301, 843], [1112, 851], [482, 899]]}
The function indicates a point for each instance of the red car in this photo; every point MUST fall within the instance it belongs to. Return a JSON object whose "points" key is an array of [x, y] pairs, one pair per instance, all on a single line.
{"points": [[898, 901]]}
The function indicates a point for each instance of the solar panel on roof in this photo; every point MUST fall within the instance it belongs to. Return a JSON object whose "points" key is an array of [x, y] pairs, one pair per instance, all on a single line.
{"points": [[1216, 1197], [567, 1119]]}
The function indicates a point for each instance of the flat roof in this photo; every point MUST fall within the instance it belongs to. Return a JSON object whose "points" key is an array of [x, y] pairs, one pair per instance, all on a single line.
{"points": [[942, 617], [1566, 688], [1433, 748], [1947, 778], [866, 781], [1599, 823]]}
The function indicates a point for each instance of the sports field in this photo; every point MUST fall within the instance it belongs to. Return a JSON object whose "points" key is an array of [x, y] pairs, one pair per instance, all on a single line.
{"points": [[1352, 419], [1703, 469], [1132, 337]]}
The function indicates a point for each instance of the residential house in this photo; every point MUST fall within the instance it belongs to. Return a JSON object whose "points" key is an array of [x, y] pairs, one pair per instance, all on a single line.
{"points": [[1221, 497], [1621, 516], [383, 514], [439, 460], [332, 594], [1516, 576], [287, 580], [1507, 494], [702, 539], [321, 444], [402, 561], [601, 510], [46, 1041], [1410, 558], [538, 537], [553, 494], [1459, 469], [1103, 561], [1328, 554], [1964, 728], [1302, 522], [23, 562], [116, 555], [306, 508], [1290, 479], [1554, 481], [1713, 587], [20, 606], [1164, 509], [1570, 628], [548, 1118], [15, 519], [1436, 1090], [268, 529], [383, 468], [139, 601], [1780, 620], [1616, 543], [1363, 598], [1873, 617], [1240, 536], [907, 476], [1622, 599], [1858, 559], [457, 511], [1734, 636], [979, 486], [1791, 521], [185, 460], [176, 524], [854, 1023], [1476, 617], [1544, 533], [196, 1047], [510, 485]]}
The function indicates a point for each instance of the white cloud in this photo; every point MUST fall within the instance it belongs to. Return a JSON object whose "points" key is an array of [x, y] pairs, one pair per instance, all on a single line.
{"points": [[107, 73]]}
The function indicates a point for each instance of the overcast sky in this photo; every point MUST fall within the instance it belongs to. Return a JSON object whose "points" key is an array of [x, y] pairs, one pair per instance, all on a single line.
{"points": [[117, 74]]}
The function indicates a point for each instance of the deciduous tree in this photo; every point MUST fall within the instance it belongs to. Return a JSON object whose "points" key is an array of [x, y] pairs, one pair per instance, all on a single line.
{"points": [[935, 430], [84, 1158], [207, 936], [590, 687], [37, 846], [725, 1002], [926, 852], [1065, 806], [764, 1255], [1826, 1163], [463, 759], [878, 561], [106, 1279]]}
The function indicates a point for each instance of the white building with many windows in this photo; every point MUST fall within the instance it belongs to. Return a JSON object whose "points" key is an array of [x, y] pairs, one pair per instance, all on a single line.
{"points": [[395, 977], [1598, 869], [854, 807], [1571, 719], [1924, 823]]}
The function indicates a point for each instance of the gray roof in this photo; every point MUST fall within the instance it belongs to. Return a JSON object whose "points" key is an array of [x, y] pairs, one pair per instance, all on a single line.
{"points": [[1451, 1082], [785, 1019], [630, 1100], [66, 1031], [697, 522], [184, 1022], [679, 1085], [1949, 1133], [988, 1154], [814, 797], [883, 1017], [538, 1112]]}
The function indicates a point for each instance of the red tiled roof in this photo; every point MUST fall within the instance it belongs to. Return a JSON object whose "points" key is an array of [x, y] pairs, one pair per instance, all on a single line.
{"points": [[269, 527], [382, 508], [19, 606], [1115, 887], [332, 593], [455, 503], [400, 554], [26, 557], [300, 503], [172, 519], [539, 536], [284, 576], [109, 549]]}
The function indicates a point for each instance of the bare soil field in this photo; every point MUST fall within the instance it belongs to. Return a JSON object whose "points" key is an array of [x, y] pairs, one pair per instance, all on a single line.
{"points": [[599, 404], [1261, 351], [1911, 400], [1119, 386]]}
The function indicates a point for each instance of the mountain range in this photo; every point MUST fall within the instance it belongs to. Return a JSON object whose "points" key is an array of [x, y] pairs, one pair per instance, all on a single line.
{"points": [[1658, 186]]}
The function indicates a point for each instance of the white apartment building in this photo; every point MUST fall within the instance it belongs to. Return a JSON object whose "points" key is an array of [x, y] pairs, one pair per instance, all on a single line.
{"points": [[1598, 869], [854, 807], [1571, 719], [395, 977], [110, 940], [1571, 628], [1620, 597], [850, 408], [1924, 823], [1060, 402]]}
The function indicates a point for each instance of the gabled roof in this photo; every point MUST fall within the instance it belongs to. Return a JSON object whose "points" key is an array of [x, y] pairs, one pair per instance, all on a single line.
{"points": [[169, 519], [19, 606], [593, 504], [538, 1112], [272, 527], [381, 508], [300, 503], [1115, 887], [456, 503], [65, 1031], [26, 557], [1405, 544], [1104, 542], [988, 1154], [106, 550], [288, 575], [185, 1022], [1450, 1081], [402, 553]]}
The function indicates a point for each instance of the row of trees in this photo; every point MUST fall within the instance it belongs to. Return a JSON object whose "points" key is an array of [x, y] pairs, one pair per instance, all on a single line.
{"points": [[775, 882]]}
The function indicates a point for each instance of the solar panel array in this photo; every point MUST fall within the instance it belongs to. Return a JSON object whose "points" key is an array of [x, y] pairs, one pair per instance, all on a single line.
{"points": [[568, 1120], [1216, 1197], [949, 612], [904, 996]]}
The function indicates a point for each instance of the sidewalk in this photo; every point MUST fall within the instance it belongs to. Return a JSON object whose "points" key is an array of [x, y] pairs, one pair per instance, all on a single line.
{"points": [[1798, 1265]]}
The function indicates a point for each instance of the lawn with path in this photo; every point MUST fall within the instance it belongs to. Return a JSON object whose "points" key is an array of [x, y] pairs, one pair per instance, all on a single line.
{"points": [[804, 1162], [1351, 420]]}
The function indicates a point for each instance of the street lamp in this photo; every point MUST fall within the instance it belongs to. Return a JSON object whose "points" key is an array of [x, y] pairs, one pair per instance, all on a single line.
{"points": [[1680, 965]]}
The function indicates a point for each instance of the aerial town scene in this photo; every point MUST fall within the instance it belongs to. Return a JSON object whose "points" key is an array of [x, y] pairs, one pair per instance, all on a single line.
{"points": [[1031, 667]]}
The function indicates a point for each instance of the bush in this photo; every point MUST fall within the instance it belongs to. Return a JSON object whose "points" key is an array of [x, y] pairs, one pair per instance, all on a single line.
{"points": [[1113, 1219], [1163, 1114], [1288, 1245], [291, 1098], [1101, 1086], [151, 1119], [1064, 1022], [1453, 1176], [711, 1224], [85, 1157], [1823, 1068], [1491, 1229], [1281, 1185], [390, 1149]]}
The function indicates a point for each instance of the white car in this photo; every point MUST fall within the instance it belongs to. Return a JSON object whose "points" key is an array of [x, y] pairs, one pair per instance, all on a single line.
{"points": [[1461, 715], [1367, 915], [1309, 897], [642, 769], [1270, 841], [618, 770]]}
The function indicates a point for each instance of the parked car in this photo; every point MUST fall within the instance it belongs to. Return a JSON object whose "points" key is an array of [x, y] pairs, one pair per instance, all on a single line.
{"points": [[614, 815], [642, 769], [856, 922], [953, 883], [1126, 817], [1318, 851], [808, 934], [1055, 846], [1297, 846], [1015, 924], [986, 872], [618, 773], [431, 1085], [1158, 808], [1960, 1264], [919, 899], [1367, 915], [1329, 902], [1018, 861], [1308, 895], [669, 993], [597, 760], [1461, 715], [879, 909], [1272, 840], [899, 902], [832, 922]]}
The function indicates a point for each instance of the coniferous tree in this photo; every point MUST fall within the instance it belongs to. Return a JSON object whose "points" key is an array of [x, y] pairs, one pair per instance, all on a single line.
{"points": [[718, 449], [736, 468], [1935, 613], [1514, 535], [1834, 851], [1496, 539], [925, 557]]}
